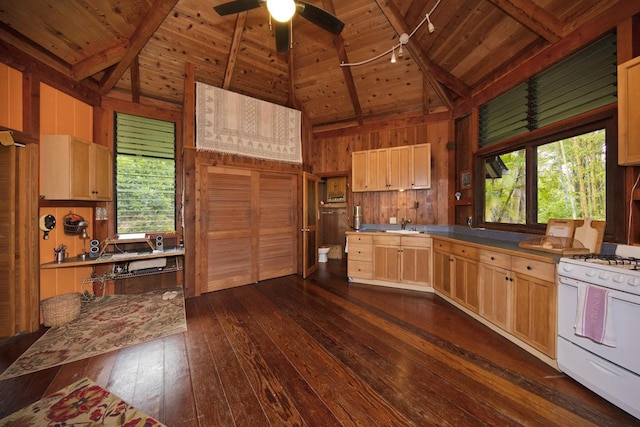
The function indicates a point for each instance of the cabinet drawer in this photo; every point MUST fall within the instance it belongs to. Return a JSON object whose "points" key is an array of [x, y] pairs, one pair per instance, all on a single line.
{"points": [[441, 245], [360, 252], [360, 269], [416, 242], [465, 251], [542, 270], [497, 259], [359, 238], [386, 240]]}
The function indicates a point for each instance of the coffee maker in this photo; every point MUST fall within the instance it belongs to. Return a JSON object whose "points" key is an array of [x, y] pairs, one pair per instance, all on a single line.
{"points": [[357, 217]]}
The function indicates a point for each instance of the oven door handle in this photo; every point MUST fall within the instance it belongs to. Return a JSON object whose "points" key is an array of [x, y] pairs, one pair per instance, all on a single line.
{"points": [[608, 370]]}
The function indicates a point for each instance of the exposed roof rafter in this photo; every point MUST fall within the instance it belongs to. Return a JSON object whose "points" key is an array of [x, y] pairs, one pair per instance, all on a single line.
{"points": [[233, 50], [533, 17], [157, 14]]}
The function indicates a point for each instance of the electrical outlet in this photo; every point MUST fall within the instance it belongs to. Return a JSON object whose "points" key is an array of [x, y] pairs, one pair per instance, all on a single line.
{"points": [[393, 220], [469, 221]]}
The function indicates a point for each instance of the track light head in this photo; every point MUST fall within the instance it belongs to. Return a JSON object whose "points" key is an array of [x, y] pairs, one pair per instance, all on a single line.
{"points": [[430, 25]]}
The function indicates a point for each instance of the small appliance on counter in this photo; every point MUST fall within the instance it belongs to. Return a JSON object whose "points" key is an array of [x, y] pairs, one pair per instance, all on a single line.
{"points": [[357, 217]]}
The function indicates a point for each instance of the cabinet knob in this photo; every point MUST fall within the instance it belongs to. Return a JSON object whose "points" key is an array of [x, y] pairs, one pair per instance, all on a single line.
{"points": [[493, 259], [528, 267]]}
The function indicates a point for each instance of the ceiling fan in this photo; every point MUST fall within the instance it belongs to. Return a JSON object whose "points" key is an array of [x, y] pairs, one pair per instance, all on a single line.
{"points": [[282, 12]]}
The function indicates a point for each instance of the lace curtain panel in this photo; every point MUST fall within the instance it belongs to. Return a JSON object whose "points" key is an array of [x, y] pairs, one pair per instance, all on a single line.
{"points": [[228, 122]]}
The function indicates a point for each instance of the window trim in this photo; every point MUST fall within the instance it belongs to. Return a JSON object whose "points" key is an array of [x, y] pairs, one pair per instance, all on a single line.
{"points": [[604, 117]]}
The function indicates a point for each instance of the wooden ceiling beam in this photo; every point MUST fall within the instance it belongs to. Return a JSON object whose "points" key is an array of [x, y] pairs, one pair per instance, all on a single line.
{"points": [[135, 80], [532, 16], [97, 63], [338, 42], [436, 74], [157, 14], [234, 49]]}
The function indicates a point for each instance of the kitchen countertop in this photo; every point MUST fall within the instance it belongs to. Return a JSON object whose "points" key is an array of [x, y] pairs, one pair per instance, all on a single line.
{"points": [[498, 240]]}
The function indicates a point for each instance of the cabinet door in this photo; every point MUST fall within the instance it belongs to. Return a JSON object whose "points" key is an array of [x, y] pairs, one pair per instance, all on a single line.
{"points": [[464, 280], [629, 112], [359, 171], [80, 178], [534, 312], [378, 170], [102, 173], [386, 263], [442, 271], [416, 265], [400, 168], [495, 288], [421, 166]]}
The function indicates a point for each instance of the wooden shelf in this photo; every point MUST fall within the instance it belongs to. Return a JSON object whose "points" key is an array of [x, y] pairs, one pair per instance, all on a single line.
{"points": [[119, 276], [463, 202], [110, 259]]}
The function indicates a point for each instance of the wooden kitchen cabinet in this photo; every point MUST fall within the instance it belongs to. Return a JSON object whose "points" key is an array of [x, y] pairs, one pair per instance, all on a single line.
{"points": [[359, 171], [464, 276], [397, 168], [416, 260], [421, 166], [629, 113], [442, 266], [386, 258], [10, 98], [360, 256], [495, 283], [75, 169], [534, 304]]}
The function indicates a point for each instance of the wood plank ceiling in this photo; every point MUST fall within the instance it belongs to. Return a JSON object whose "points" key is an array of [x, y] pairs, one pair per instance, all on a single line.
{"points": [[137, 49]]}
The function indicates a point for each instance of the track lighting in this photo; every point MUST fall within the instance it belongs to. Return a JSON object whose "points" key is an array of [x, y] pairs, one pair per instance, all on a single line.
{"points": [[430, 25], [404, 39]]}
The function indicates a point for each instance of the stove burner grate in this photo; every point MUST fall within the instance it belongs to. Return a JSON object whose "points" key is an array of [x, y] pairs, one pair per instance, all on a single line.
{"points": [[609, 259]]}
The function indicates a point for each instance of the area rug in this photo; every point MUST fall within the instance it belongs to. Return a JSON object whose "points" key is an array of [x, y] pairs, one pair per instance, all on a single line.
{"points": [[104, 325], [83, 403]]}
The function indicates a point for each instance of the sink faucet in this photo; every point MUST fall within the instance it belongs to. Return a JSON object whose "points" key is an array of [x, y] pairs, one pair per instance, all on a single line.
{"points": [[404, 222]]}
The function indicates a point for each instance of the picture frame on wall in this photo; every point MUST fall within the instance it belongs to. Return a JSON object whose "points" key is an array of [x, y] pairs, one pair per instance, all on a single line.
{"points": [[465, 179]]}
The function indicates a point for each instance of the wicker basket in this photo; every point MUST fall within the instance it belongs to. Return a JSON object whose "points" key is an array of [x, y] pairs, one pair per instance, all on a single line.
{"points": [[61, 309]]}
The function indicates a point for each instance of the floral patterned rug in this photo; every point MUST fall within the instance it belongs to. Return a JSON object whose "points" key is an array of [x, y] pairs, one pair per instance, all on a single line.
{"points": [[83, 403], [104, 325]]}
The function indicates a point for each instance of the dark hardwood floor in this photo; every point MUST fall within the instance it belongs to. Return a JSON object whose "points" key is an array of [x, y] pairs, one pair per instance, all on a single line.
{"points": [[322, 352]]}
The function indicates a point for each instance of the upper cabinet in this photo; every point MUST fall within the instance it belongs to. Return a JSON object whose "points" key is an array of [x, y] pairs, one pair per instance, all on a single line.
{"points": [[629, 113], [399, 168], [74, 169], [10, 98]]}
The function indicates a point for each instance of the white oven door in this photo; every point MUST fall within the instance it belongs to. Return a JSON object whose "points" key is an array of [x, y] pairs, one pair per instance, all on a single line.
{"points": [[626, 324]]}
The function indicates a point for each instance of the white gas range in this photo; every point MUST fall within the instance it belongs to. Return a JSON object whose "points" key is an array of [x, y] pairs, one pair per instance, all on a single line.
{"points": [[599, 324]]}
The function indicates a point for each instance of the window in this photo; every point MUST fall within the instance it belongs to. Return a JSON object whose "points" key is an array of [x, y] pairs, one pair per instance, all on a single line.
{"points": [[145, 175], [549, 145], [567, 178]]}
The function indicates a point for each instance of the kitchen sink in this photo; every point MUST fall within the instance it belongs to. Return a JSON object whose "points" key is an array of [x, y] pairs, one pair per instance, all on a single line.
{"points": [[403, 231]]}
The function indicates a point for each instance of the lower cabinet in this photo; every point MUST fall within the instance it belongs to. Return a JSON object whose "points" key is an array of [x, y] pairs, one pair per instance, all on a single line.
{"points": [[442, 266], [495, 283], [360, 257], [534, 304], [390, 259], [464, 276]]}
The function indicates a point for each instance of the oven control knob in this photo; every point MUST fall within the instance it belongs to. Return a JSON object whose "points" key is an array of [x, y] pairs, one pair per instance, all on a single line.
{"points": [[590, 272], [603, 275], [618, 278], [634, 281]]}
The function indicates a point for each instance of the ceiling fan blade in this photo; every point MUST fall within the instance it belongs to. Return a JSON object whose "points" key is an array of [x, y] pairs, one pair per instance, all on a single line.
{"points": [[320, 17], [282, 35], [237, 6]]}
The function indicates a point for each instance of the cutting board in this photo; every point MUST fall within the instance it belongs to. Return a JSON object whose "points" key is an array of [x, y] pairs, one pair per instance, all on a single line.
{"points": [[590, 234]]}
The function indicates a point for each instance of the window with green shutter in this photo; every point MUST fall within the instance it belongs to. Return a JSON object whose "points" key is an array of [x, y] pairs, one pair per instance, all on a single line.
{"points": [[145, 175]]}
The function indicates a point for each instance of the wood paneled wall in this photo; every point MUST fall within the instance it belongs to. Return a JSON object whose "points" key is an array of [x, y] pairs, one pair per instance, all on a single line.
{"points": [[331, 155]]}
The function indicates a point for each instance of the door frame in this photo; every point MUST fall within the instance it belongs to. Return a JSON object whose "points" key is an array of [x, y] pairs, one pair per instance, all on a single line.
{"points": [[309, 188]]}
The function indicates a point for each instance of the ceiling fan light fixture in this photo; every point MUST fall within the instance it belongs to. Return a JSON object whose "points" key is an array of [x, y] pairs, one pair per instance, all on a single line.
{"points": [[281, 10]]}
